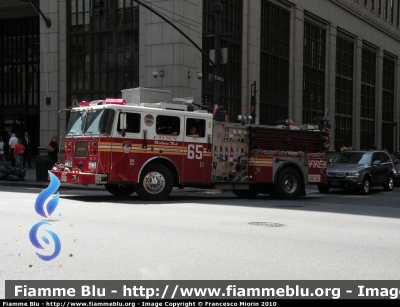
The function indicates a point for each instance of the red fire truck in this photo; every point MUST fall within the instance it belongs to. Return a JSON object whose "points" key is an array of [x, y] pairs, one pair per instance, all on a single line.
{"points": [[144, 143]]}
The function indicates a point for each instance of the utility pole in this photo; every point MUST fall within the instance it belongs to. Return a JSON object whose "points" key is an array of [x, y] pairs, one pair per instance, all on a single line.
{"points": [[217, 10]]}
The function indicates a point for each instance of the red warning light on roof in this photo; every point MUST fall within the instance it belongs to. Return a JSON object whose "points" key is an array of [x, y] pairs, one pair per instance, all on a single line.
{"points": [[115, 101], [84, 103]]}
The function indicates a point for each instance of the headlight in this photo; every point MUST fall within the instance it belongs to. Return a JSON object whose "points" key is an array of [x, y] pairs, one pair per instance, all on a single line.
{"points": [[68, 163], [92, 165], [353, 174]]}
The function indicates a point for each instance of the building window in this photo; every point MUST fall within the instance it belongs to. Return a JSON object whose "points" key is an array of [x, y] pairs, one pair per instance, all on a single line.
{"points": [[368, 75], [372, 7], [388, 103], [379, 7], [391, 11], [103, 52], [313, 72], [19, 62], [365, 2], [231, 88], [344, 91], [385, 9], [398, 13], [274, 66]]}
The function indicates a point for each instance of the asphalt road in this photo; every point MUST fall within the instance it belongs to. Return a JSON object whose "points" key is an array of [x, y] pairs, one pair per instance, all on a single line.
{"points": [[204, 236]]}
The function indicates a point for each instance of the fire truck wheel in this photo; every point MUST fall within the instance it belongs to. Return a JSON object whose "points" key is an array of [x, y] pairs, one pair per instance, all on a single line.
{"points": [[156, 183], [252, 192], [120, 190], [323, 189], [289, 184]]}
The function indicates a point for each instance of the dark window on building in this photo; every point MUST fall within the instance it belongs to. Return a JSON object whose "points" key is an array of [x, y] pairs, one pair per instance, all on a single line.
{"points": [[391, 11], [231, 88], [274, 66], [385, 9], [313, 72], [19, 62], [368, 75], [365, 2], [372, 7], [103, 52], [398, 13], [388, 103], [379, 7], [20, 78], [168, 124], [344, 91]]}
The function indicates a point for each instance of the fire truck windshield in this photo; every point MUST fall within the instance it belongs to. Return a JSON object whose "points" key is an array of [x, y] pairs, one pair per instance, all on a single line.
{"points": [[91, 122]]}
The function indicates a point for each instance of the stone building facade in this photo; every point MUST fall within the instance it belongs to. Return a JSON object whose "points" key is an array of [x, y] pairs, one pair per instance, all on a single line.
{"points": [[307, 58]]}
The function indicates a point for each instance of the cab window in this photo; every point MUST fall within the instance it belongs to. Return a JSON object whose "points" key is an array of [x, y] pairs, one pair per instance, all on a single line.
{"points": [[197, 125], [168, 125], [132, 123]]}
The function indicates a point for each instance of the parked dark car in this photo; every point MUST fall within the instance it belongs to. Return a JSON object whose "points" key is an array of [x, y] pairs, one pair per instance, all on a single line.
{"points": [[397, 168], [397, 174], [361, 170]]}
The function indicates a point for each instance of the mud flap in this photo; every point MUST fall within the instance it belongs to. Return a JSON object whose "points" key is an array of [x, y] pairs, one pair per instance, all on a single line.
{"points": [[303, 191]]}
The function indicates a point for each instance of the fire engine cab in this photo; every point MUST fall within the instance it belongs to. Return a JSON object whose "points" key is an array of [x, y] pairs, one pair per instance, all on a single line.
{"points": [[147, 144]]}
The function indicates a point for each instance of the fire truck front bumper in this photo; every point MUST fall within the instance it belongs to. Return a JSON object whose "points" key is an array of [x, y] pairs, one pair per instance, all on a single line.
{"points": [[80, 178]]}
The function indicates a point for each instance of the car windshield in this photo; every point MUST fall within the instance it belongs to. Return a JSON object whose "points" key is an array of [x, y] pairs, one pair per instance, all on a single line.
{"points": [[91, 122], [354, 158]]}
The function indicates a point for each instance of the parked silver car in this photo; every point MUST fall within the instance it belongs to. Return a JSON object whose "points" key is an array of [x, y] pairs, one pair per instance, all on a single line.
{"points": [[361, 170]]}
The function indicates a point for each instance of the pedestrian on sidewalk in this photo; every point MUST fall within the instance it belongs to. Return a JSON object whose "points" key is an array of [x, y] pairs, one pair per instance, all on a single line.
{"points": [[18, 153], [2, 152], [54, 152], [11, 143], [27, 142]]}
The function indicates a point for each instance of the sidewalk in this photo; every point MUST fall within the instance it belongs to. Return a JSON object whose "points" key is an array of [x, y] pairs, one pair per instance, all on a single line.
{"points": [[30, 181]]}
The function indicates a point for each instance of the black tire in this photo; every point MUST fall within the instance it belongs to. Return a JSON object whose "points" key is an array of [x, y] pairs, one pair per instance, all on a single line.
{"points": [[389, 184], [120, 190], [156, 183], [323, 189], [366, 185], [289, 184], [251, 193]]}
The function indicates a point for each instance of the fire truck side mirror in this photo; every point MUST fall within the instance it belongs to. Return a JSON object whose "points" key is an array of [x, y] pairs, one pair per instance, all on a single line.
{"points": [[122, 122]]}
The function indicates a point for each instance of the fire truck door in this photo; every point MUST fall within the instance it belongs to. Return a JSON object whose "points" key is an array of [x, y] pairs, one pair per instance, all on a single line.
{"points": [[124, 160], [196, 159]]}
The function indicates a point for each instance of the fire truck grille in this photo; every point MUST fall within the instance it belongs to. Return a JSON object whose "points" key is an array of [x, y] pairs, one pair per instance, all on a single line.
{"points": [[81, 149]]}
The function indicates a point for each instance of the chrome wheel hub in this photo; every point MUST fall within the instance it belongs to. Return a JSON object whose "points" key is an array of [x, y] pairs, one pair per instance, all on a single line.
{"points": [[154, 182]]}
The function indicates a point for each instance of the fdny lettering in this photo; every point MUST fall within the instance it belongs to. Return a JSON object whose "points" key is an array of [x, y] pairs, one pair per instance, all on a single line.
{"points": [[161, 143], [166, 137], [165, 143], [315, 163]]}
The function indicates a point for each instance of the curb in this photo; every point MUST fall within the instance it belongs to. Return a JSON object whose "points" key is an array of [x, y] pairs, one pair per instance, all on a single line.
{"points": [[43, 185]]}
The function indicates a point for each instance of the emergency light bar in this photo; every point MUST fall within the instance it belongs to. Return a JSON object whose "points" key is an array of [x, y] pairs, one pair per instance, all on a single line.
{"points": [[119, 101]]}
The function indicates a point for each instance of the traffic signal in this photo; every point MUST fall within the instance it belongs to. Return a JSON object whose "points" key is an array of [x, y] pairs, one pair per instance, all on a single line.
{"points": [[96, 8]]}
